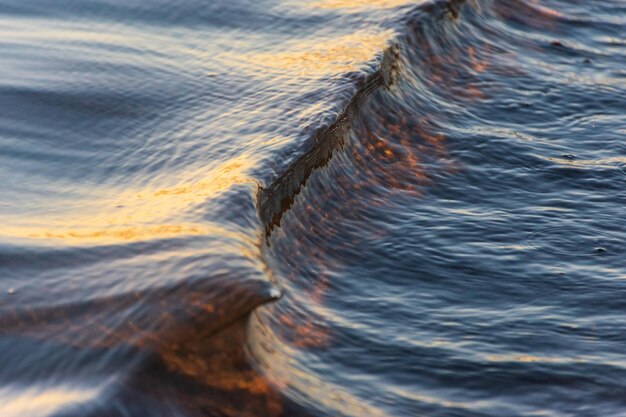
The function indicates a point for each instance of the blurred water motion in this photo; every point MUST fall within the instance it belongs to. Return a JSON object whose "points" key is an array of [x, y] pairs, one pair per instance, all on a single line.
{"points": [[35, 403], [331, 207], [358, 4]]}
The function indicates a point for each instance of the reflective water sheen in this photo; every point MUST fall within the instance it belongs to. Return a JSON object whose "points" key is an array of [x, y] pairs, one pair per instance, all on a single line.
{"points": [[312, 208]]}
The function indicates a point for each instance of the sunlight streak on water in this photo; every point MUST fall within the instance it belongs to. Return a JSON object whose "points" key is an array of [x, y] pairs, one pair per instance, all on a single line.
{"points": [[42, 402], [134, 215]]}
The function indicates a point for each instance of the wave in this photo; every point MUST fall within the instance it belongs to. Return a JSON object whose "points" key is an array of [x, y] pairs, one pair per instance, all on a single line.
{"points": [[197, 338], [274, 200], [338, 207], [223, 346], [239, 360], [387, 141]]}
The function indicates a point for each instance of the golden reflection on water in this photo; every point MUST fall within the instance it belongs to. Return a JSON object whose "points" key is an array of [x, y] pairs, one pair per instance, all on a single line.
{"points": [[318, 57], [358, 4], [137, 214], [105, 234], [39, 403]]}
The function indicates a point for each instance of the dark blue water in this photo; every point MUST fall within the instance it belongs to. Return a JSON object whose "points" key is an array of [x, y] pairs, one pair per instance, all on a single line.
{"points": [[321, 208]]}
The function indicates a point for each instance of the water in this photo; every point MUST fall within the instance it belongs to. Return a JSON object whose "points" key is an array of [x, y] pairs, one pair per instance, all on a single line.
{"points": [[320, 208]]}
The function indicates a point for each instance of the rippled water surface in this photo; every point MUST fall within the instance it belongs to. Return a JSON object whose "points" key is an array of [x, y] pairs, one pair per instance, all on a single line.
{"points": [[312, 208]]}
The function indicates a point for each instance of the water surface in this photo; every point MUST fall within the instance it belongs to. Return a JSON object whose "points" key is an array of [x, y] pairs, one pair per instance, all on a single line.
{"points": [[312, 208]]}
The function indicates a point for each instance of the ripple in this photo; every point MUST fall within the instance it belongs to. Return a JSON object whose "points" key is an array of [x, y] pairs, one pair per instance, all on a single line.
{"points": [[571, 160], [567, 241], [496, 215]]}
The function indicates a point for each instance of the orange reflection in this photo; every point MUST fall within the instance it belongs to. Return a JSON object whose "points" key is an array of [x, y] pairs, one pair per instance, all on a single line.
{"points": [[322, 57], [544, 10], [107, 235], [358, 4], [478, 64], [221, 365], [303, 332], [134, 215], [455, 73], [192, 338]]}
